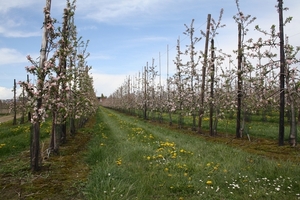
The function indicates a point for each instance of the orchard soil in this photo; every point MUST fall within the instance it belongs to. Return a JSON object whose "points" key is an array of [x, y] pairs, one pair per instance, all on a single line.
{"points": [[63, 176]]}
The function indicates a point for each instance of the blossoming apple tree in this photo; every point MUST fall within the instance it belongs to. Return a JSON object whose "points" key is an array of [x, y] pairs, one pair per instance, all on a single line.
{"points": [[63, 85]]}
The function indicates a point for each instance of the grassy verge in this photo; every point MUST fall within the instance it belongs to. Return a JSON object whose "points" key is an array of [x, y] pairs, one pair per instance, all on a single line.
{"points": [[14, 139], [132, 159], [62, 176], [255, 126]]}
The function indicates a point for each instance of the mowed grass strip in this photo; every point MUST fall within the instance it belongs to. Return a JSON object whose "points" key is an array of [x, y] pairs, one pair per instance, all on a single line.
{"points": [[132, 159]]}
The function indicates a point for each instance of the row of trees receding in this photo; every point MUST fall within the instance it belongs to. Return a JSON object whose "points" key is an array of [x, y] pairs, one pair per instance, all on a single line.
{"points": [[263, 80], [63, 88]]}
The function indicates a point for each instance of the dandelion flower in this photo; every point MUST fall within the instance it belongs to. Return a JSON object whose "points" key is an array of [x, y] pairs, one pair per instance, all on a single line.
{"points": [[209, 182], [119, 162]]}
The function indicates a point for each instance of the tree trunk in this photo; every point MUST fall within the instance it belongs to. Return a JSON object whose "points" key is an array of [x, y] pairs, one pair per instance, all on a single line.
{"points": [[35, 147], [292, 109], [293, 127], [212, 79], [72, 126], [53, 139], [239, 91], [63, 63], [29, 113], [168, 90], [56, 133], [201, 110], [298, 115], [35, 154], [282, 76], [15, 104], [63, 137], [23, 107], [145, 92]]}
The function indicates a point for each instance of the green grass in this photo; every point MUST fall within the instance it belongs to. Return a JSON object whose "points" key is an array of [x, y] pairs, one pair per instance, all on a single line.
{"points": [[132, 159], [256, 127], [61, 176], [15, 138]]}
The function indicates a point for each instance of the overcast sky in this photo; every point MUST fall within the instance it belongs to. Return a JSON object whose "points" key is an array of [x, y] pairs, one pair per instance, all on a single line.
{"points": [[125, 34]]}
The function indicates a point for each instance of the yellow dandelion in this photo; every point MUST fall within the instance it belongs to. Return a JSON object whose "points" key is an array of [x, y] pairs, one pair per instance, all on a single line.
{"points": [[160, 156], [119, 162], [209, 182]]}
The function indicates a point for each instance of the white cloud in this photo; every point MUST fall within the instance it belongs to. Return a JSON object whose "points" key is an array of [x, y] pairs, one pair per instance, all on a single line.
{"points": [[99, 56], [8, 5], [17, 26], [7, 93], [84, 28], [150, 39], [117, 10], [106, 84], [9, 56], [6, 32]]}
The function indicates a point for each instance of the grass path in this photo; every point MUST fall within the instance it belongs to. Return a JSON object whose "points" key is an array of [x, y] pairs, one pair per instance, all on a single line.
{"points": [[132, 159], [6, 118]]}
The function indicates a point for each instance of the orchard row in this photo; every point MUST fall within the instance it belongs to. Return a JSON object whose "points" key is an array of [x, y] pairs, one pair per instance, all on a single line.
{"points": [[204, 85]]}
